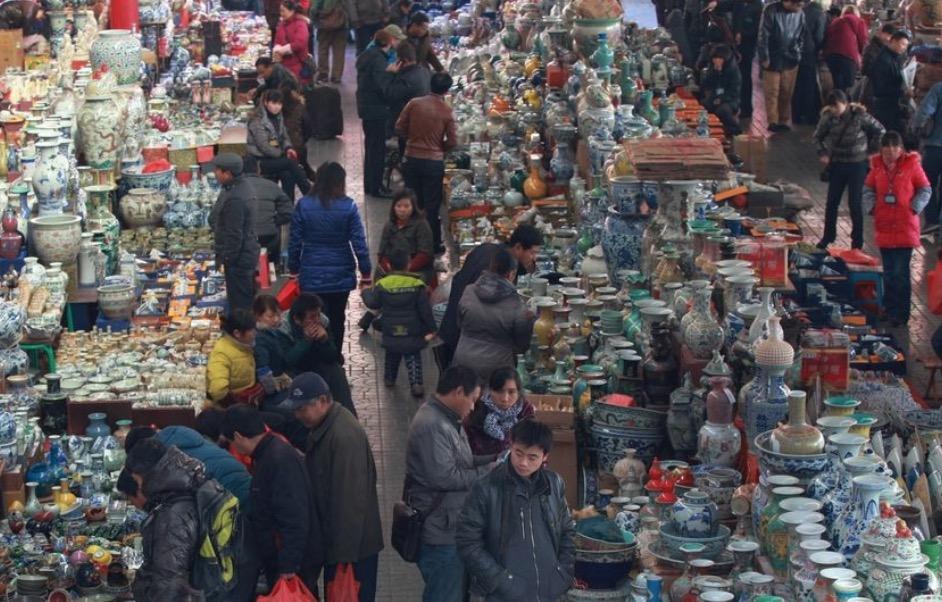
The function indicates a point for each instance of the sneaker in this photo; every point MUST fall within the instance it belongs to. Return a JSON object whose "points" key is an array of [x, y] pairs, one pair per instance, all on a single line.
{"points": [[418, 391], [321, 77], [366, 320]]}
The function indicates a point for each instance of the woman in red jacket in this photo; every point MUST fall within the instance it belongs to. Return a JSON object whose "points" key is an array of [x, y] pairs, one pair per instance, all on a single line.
{"points": [[895, 192], [844, 41], [293, 39]]}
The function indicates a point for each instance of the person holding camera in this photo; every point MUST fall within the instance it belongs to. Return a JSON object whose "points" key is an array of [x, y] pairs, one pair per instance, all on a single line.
{"points": [[895, 193], [846, 133]]}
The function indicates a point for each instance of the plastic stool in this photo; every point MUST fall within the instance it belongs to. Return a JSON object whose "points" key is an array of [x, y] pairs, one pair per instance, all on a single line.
{"points": [[34, 349]]}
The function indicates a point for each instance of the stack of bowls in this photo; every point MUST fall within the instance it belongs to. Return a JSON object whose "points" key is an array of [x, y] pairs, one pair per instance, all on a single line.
{"points": [[804, 467], [32, 585], [603, 564], [618, 428]]}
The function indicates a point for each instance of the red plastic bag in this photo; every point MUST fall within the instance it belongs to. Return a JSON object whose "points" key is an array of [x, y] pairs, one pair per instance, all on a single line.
{"points": [[344, 587], [289, 590], [288, 293], [934, 280]]}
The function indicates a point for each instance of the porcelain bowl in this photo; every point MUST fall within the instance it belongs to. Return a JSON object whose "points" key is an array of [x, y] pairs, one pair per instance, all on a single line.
{"points": [[712, 546], [116, 301], [610, 444], [133, 178], [591, 544], [631, 417], [803, 467], [603, 570]]}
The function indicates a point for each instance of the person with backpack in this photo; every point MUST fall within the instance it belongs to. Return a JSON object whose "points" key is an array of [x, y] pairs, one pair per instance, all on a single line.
{"points": [[280, 519], [408, 324], [343, 484], [515, 533], [168, 480], [929, 126]]}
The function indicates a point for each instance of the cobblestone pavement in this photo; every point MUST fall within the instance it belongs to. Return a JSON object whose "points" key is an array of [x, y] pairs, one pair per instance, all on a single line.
{"points": [[385, 413]]}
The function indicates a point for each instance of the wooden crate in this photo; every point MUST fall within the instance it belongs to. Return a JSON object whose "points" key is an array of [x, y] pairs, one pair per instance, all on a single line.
{"points": [[11, 49]]}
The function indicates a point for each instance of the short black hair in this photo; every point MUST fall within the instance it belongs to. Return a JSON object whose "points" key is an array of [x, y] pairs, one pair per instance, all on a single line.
{"points": [[209, 423], [721, 51], [399, 260], [243, 419], [264, 61], [406, 52], [273, 95], [891, 138], [530, 433], [888, 28], [503, 263], [457, 377], [240, 319], [441, 83], [837, 97], [126, 483], [901, 33], [304, 304], [418, 18], [265, 303], [136, 435], [527, 236], [145, 456]]}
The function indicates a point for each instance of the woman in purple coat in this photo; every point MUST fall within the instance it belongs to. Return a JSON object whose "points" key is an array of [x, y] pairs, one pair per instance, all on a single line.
{"points": [[502, 406]]}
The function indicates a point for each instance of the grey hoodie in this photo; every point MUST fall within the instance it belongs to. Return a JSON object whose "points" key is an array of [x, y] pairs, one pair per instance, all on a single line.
{"points": [[495, 325]]}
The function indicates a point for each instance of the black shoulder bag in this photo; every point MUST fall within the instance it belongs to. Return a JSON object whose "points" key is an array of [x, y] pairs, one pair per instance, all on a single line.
{"points": [[407, 524]]}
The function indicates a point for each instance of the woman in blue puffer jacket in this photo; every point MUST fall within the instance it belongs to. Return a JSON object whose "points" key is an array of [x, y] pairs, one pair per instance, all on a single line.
{"points": [[328, 245]]}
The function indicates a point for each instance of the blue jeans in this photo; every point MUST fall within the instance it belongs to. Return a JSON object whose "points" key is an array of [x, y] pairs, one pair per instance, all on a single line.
{"points": [[932, 165], [897, 286], [443, 573]]}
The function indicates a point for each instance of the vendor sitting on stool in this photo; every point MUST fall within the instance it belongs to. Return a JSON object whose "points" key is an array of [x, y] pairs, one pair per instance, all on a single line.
{"points": [[720, 89], [230, 371], [270, 147]]}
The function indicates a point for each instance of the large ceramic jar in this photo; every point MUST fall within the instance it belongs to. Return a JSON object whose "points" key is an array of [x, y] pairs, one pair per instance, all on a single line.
{"points": [[621, 241], [12, 318], [99, 132], [796, 437], [769, 406], [902, 558], [133, 110], [56, 237], [694, 515], [702, 333], [120, 51], [681, 423], [719, 441], [100, 218], [143, 208], [116, 301], [50, 178]]}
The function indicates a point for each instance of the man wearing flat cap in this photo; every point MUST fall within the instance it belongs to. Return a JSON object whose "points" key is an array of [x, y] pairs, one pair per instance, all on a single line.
{"points": [[233, 222], [343, 482]]}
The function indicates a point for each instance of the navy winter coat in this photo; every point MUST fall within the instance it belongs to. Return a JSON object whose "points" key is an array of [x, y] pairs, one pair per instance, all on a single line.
{"points": [[220, 464], [323, 243]]}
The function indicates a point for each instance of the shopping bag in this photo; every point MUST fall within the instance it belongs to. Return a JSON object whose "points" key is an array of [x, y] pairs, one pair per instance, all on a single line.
{"points": [[934, 279], [344, 587], [289, 590], [288, 293]]}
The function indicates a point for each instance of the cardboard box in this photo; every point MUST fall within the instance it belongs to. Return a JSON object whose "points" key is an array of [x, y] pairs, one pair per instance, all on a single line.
{"points": [[754, 152], [11, 49], [564, 458]]}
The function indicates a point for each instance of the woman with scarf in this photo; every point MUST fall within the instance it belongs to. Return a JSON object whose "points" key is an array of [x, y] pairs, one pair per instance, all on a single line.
{"points": [[502, 406]]}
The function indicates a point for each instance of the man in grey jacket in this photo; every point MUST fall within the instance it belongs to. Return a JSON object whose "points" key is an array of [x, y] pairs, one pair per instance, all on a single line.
{"points": [[273, 208], [515, 533], [781, 39], [366, 17], [233, 222], [440, 470]]}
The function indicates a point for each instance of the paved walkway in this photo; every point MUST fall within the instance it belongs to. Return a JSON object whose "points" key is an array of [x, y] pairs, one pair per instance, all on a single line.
{"points": [[385, 413]]}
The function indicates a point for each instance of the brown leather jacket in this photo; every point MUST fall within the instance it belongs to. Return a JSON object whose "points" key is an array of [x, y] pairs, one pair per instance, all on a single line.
{"points": [[428, 124]]}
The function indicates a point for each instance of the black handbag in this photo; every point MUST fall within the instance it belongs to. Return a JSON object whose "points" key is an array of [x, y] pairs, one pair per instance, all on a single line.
{"points": [[407, 524]]}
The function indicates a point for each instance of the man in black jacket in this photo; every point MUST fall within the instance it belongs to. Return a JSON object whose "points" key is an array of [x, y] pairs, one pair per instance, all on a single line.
{"points": [[373, 74], [281, 519], [780, 42], [418, 36], [409, 81], [720, 86], [273, 74], [889, 85], [233, 222], [746, 17], [273, 209], [167, 479], [524, 244], [806, 101], [515, 533]]}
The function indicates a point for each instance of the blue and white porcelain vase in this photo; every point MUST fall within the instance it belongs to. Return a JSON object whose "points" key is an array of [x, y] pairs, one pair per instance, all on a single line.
{"points": [[839, 447], [703, 334], [50, 178], [621, 241], [694, 515], [857, 515], [770, 405], [97, 426], [12, 318]]}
